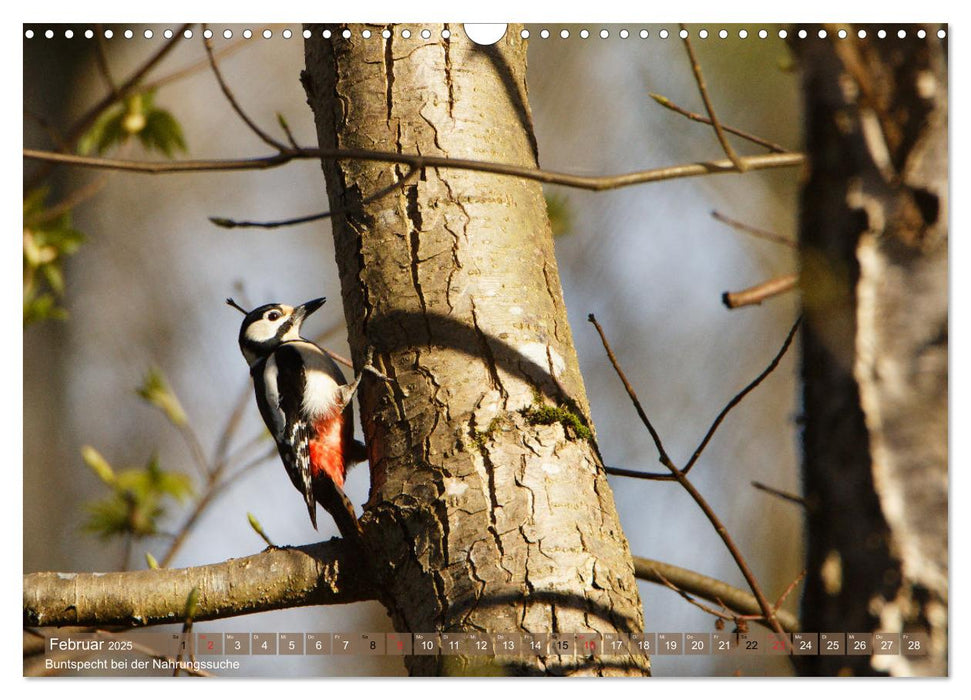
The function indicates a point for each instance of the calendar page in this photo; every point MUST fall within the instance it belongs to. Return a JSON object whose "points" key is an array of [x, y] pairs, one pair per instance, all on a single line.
{"points": [[493, 350]]}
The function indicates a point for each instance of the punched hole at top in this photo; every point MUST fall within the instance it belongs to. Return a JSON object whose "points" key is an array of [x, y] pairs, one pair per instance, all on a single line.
{"points": [[485, 34]]}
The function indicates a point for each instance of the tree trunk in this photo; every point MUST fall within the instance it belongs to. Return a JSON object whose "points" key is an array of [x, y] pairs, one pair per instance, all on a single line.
{"points": [[874, 274], [489, 503]]}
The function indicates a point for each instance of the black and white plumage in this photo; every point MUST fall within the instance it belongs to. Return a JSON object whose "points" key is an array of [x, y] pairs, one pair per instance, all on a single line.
{"points": [[305, 402]]}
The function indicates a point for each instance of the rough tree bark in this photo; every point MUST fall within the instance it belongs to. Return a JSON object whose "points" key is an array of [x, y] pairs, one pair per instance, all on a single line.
{"points": [[489, 503], [874, 274]]}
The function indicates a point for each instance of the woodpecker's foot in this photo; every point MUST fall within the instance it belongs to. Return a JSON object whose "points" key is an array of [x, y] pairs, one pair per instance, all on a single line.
{"points": [[369, 365]]}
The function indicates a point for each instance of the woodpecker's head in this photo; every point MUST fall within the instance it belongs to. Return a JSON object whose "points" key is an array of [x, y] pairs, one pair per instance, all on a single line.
{"points": [[265, 327]]}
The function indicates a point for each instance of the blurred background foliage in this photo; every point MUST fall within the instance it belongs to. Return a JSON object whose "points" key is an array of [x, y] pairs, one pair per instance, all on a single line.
{"points": [[124, 272]]}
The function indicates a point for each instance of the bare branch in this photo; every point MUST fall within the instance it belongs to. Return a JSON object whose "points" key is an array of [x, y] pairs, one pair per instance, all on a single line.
{"points": [[703, 89], [593, 183], [327, 573], [79, 196], [753, 231], [792, 498], [790, 588], [660, 476], [694, 116], [232, 423], [662, 455], [232, 223], [286, 130], [634, 474], [700, 500], [760, 292], [102, 58], [195, 448], [231, 98], [199, 65], [706, 587], [743, 393]]}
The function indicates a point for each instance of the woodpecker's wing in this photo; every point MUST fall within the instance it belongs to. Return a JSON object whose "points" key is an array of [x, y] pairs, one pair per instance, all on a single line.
{"points": [[321, 370], [279, 383]]}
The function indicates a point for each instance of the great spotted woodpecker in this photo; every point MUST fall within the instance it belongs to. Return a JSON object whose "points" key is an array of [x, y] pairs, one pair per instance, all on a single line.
{"points": [[305, 403]]}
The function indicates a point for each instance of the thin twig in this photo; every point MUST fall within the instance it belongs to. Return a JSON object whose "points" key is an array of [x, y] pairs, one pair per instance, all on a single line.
{"points": [[191, 602], [286, 130], [694, 116], [662, 455], [711, 589], [179, 539], [742, 394], [634, 474], [232, 223], [247, 447], [593, 183], [44, 123], [221, 452], [754, 296], [792, 498], [790, 588], [753, 231], [700, 606], [661, 476], [703, 89], [231, 98], [223, 222], [127, 546], [199, 65], [102, 58], [77, 197], [686, 484], [238, 474], [215, 487], [195, 448]]}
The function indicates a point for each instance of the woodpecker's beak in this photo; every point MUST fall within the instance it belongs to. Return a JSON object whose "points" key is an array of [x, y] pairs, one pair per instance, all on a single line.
{"points": [[307, 308]]}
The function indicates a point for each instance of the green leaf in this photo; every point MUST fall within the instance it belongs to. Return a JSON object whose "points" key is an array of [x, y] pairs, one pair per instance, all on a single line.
{"points": [[107, 132], [174, 484], [155, 128], [41, 308], [151, 561], [34, 202], [162, 133], [155, 390], [137, 499], [258, 529], [561, 218], [98, 464], [47, 240], [191, 603], [54, 277]]}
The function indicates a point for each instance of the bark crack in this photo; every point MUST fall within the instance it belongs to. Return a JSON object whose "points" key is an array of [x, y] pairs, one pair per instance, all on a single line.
{"points": [[448, 76], [490, 356], [550, 286], [456, 264], [389, 76]]}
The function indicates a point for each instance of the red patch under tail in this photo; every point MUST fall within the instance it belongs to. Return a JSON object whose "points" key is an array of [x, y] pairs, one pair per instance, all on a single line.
{"points": [[327, 449]]}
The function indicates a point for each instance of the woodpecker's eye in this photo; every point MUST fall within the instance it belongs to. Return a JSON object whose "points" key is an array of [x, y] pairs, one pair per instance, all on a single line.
{"points": [[273, 315]]}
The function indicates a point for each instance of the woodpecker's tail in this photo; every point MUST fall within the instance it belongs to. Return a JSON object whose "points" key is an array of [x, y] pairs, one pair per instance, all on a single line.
{"points": [[336, 502], [357, 453]]}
